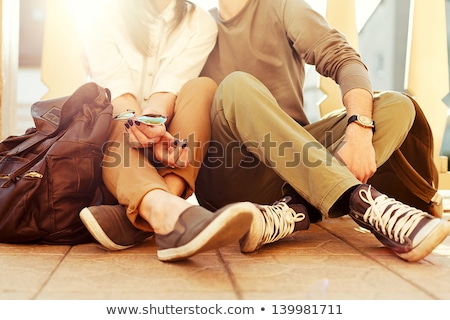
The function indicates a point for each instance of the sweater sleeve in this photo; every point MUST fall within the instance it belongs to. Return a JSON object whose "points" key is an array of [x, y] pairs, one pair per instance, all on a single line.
{"points": [[324, 47]]}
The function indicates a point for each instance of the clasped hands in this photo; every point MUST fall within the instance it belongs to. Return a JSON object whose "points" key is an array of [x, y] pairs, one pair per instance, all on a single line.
{"points": [[149, 131]]}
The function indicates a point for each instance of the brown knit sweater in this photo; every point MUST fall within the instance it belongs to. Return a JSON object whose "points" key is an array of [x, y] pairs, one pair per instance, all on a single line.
{"points": [[273, 40]]}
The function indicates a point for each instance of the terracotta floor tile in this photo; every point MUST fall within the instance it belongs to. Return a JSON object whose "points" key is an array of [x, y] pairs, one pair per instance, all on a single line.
{"points": [[333, 260]]}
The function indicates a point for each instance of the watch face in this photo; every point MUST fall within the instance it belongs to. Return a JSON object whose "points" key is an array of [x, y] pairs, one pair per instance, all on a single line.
{"points": [[366, 121]]}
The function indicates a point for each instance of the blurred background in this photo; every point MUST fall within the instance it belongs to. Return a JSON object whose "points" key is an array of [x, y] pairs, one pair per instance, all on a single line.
{"points": [[382, 27]]}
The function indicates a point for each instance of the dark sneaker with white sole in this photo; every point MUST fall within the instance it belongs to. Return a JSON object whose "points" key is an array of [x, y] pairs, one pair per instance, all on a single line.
{"points": [[110, 226], [411, 233], [198, 230], [274, 222]]}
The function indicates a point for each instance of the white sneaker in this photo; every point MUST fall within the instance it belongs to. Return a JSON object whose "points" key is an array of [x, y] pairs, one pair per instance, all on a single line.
{"points": [[411, 233], [274, 223]]}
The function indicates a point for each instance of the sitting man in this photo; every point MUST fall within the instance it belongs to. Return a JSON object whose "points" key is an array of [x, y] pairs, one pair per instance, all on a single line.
{"points": [[263, 146]]}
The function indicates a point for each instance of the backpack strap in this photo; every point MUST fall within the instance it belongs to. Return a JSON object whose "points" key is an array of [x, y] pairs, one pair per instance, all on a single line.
{"points": [[14, 176], [25, 144]]}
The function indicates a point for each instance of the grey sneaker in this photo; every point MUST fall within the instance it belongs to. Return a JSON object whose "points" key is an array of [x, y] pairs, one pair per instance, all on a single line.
{"points": [[411, 233], [273, 223], [198, 230], [110, 226]]}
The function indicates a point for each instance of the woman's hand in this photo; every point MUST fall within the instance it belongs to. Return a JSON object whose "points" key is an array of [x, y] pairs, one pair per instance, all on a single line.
{"points": [[142, 135], [171, 152], [167, 149]]}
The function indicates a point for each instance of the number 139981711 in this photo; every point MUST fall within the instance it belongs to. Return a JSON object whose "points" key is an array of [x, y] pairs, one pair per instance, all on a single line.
{"points": [[307, 309]]}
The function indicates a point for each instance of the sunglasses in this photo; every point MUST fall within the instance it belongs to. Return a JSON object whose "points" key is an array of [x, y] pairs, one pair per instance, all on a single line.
{"points": [[149, 119]]}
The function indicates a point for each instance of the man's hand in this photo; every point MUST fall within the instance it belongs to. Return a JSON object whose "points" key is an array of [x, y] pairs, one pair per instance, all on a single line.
{"points": [[357, 152]]}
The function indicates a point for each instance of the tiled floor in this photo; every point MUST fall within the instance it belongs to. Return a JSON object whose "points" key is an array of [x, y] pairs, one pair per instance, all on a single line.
{"points": [[333, 260]]}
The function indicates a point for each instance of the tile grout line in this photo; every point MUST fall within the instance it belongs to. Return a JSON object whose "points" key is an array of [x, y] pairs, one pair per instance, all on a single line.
{"points": [[230, 275], [34, 297]]}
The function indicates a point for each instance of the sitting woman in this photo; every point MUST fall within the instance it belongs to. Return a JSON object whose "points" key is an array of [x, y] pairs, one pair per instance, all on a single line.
{"points": [[149, 53]]}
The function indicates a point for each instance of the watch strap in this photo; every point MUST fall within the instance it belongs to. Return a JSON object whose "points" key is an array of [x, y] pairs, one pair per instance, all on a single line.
{"points": [[354, 118]]}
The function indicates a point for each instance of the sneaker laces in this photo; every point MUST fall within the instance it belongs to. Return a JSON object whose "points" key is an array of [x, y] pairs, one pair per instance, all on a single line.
{"points": [[391, 217], [280, 221]]}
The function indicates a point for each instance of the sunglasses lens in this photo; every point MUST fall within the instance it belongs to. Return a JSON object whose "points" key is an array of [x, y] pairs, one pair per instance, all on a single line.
{"points": [[124, 115], [153, 119]]}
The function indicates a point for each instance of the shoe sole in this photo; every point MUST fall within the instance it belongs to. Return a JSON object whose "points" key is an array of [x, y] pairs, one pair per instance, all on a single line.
{"points": [[252, 240], [429, 244], [227, 228], [97, 232]]}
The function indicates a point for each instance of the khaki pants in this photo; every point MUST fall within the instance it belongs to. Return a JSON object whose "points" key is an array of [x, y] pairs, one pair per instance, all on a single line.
{"points": [[256, 147], [129, 174]]}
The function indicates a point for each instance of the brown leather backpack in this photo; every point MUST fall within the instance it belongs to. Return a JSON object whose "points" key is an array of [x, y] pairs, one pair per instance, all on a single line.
{"points": [[410, 175], [52, 171]]}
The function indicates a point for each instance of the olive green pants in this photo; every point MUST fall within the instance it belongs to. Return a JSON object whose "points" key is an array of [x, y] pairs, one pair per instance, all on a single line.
{"points": [[256, 147]]}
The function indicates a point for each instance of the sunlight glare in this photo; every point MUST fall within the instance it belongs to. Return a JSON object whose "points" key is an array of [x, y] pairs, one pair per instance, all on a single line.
{"points": [[84, 10]]}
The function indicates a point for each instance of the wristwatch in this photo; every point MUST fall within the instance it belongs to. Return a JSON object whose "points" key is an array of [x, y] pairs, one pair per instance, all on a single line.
{"points": [[363, 121]]}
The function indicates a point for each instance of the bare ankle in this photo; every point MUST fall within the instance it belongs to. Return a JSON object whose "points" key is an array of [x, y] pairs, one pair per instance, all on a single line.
{"points": [[176, 184], [161, 210]]}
